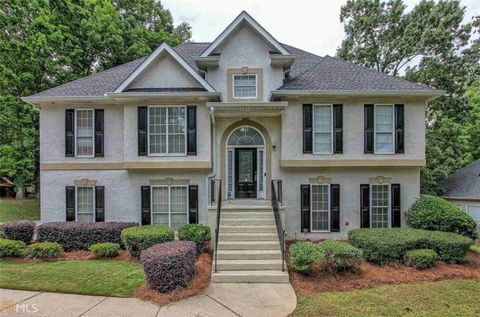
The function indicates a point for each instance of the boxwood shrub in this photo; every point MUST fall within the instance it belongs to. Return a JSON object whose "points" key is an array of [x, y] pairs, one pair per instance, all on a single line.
{"points": [[44, 250], [435, 213], [80, 236], [200, 234], [340, 256], [13, 248], [421, 258], [303, 255], [21, 230], [140, 238], [383, 246], [169, 266], [105, 249]]}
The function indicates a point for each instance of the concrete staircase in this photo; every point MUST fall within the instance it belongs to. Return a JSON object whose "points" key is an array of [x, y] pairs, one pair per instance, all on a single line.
{"points": [[248, 246]]}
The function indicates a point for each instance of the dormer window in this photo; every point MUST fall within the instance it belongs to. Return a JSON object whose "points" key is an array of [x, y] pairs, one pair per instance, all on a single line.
{"points": [[245, 86]]}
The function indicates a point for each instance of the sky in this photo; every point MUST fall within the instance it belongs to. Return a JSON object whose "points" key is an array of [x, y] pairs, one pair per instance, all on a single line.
{"points": [[311, 25]]}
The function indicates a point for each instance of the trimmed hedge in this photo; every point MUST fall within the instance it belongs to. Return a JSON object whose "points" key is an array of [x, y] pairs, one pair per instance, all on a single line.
{"points": [[21, 230], [435, 213], [340, 256], [169, 266], [105, 249], [140, 238], [44, 250], [80, 236], [421, 258], [12, 248], [383, 246], [200, 234], [303, 255]]}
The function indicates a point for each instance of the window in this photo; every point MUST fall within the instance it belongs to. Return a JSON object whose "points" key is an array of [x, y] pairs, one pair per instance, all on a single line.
{"points": [[384, 129], [166, 130], [380, 206], [85, 204], [322, 129], [245, 86], [170, 205], [85, 134], [320, 209], [474, 212]]}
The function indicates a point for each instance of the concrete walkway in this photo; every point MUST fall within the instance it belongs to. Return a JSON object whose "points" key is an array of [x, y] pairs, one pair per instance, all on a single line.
{"points": [[220, 299]]}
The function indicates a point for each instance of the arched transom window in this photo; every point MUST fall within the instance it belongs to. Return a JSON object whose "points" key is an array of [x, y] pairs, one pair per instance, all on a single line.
{"points": [[245, 136]]}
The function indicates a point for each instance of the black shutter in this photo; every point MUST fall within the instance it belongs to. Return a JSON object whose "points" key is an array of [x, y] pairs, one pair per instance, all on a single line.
{"points": [[307, 128], [335, 207], [399, 129], [99, 128], [369, 124], [70, 203], [145, 205], [365, 206], [193, 204], [191, 130], [305, 208], [142, 130], [70, 132], [338, 129], [396, 214], [99, 203]]}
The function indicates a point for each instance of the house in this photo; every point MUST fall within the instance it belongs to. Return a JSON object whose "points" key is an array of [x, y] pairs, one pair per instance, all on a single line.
{"points": [[463, 189], [7, 187], [144, 141]]}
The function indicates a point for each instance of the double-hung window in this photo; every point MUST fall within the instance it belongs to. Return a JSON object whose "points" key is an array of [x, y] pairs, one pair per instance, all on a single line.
{"points": [[384, 129], [380, 205], [170, 205], [85, 134], [245, 86], [320, 207], [85, 198], [474, 212], [167, 130], [322, 129]]}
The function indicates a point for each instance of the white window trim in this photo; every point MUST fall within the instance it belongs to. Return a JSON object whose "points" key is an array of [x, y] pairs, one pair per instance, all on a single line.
{"points": [[389, 213], [166, 134], [314, 131], [76, 203], [169, 201], [76, 134], [375, 128], [233, 86], [466, 210], [328, 210]]}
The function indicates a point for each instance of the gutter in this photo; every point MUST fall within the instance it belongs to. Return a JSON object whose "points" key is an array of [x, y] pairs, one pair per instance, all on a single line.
{"points": [[355, 93], [213, 155]]}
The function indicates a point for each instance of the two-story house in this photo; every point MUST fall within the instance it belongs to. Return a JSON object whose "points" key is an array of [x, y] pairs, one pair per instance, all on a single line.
{"points": [[143, 141]]}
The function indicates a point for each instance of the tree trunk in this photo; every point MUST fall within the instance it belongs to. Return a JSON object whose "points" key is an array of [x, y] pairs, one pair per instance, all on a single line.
{"points": [[19, 194]]}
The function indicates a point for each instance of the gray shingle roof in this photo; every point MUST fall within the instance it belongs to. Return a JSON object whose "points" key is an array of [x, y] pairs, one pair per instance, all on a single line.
{"points": [[464, 183], [308, 72]]}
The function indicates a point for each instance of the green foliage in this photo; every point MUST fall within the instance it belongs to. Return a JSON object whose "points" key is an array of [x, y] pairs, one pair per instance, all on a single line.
{"points": [[105, 249], [200, 234], [44, 250], [421, 258], [12, 248], [140, 238], [475, 249], [340, 256], [303, 255], [435, 213]]}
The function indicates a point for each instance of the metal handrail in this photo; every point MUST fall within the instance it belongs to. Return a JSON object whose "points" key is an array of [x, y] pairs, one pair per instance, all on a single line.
{"points": [[278, 220], [218, 199]]}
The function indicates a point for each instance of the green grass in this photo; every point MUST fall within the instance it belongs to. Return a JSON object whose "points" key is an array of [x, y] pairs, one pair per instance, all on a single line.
{"points": [[91, 277], [475, 248], [446, 298], [22, 209]]}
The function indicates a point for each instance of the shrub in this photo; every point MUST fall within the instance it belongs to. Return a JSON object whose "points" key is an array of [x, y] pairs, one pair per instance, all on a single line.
{"points": [[44, 250], [200, 234], [137, 239], [303, 255], [21, 230], [421, 258], [435, 213], [383, 246], [340, 256], [105, 249], [12, 248], [2, 235], [169, 266], [80, 236]]}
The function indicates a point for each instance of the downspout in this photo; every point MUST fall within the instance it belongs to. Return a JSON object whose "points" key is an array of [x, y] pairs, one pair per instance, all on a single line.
{"points": [[213, 147]]}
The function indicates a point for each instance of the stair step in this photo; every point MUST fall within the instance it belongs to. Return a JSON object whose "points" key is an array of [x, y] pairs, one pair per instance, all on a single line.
{"points": [[248, 229], [225, 236], [247, 222], [249, 245], [250, 277], [253, 208], [249, 255], [244, 265], [246, 215]]}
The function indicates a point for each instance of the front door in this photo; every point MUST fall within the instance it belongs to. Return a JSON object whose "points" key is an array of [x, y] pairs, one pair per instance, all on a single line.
{"points": [[246, 172]]}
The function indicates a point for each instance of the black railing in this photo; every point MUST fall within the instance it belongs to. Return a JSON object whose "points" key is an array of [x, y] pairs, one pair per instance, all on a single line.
{"points": [[277, 197], [216, 184]]}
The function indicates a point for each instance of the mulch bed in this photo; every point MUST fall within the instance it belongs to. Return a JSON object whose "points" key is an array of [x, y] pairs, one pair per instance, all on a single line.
{"points": [[200, 281]]}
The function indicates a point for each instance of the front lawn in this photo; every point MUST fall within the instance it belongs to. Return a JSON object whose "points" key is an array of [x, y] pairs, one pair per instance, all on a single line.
{"points": [[19, 209], [445, 298], [93, 277]]}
